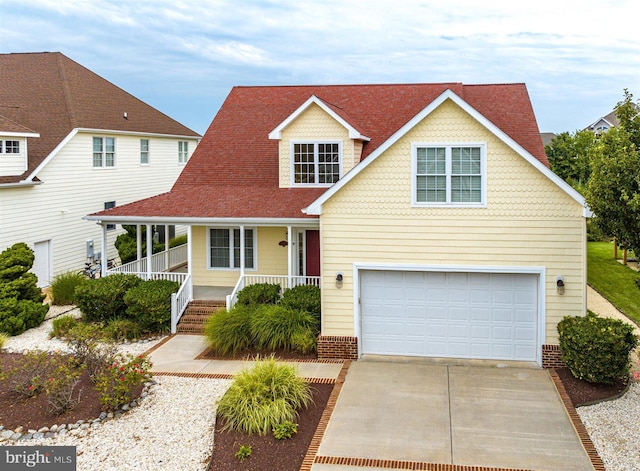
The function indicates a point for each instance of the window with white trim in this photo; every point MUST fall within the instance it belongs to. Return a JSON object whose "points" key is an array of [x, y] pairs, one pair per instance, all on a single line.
{"points": [[104, 152], [316, 163], [448, 174], [109, 205], [144, 151], [9, 147], [224, 248], [183, 152]]}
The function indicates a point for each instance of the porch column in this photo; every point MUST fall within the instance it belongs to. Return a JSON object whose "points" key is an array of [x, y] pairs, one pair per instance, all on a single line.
{"points": [[166, 247], [149, 252], [242, 251], [139, 246], [190, 252], [103, 262], [290, 247]]}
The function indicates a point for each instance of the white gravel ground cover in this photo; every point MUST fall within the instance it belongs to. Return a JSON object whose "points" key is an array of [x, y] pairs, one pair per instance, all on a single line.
{"points": [[38, 337], [614, 428], [172, 429]]}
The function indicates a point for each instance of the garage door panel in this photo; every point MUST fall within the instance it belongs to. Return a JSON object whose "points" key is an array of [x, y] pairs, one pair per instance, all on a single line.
{"points": [[467, 315]]}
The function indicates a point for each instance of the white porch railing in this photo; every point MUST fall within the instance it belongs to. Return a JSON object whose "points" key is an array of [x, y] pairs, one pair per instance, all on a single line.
{"points": [[177, 256], [179, 302], [284, 281]]}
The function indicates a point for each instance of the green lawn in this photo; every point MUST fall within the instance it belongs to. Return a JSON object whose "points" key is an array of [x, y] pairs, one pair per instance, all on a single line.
{"points": [[612, 279]]}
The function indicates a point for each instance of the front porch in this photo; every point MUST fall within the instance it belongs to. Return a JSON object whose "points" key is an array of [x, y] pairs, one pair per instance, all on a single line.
{"points": [[217, 272]]}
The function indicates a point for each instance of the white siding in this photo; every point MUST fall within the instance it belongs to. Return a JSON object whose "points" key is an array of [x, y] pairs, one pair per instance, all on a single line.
{"points": [[72, 188], [13, 164]]}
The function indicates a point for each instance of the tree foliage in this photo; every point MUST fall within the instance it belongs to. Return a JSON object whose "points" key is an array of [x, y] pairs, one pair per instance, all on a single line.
{"points": [[568, 157], [21, 305], [613, 192]]}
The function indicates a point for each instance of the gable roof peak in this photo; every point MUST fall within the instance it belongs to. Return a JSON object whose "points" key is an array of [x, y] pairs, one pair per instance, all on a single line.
{"points": [[336, 112]]}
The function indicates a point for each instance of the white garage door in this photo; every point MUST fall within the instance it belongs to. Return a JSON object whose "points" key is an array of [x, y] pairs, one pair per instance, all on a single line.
{"points": [[457, 315]]}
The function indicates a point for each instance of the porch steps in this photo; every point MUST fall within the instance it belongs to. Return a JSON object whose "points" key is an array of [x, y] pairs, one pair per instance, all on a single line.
{"points": [[196, 314]]}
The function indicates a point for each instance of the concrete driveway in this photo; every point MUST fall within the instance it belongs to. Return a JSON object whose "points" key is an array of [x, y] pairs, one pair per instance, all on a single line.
{"points": [[425, 412]]}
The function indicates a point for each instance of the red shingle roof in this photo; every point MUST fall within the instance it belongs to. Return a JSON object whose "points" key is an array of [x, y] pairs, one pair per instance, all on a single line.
{"points": [[51, 94], [234, 170]]}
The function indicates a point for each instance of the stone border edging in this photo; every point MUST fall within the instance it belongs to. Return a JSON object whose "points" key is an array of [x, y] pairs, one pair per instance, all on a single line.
{"points": [[579, 427]]}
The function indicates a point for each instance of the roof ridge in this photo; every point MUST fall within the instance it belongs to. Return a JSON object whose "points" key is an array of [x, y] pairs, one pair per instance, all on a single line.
{"points": [[66, 90]]}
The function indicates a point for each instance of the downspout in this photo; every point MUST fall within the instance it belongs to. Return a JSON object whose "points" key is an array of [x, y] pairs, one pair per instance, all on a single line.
{"points": [[103, 263]]}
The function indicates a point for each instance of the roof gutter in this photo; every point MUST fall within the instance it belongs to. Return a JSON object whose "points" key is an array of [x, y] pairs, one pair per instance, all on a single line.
{"points": [[203, 221], [138, 133], [21, 183]]}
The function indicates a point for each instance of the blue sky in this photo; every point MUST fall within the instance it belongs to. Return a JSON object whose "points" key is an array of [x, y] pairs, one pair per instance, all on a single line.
{"points": [[183, 56]]}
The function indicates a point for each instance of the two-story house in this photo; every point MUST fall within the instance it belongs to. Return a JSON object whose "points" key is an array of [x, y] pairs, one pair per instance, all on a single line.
{"points": [[426, 212], [72, 143]]}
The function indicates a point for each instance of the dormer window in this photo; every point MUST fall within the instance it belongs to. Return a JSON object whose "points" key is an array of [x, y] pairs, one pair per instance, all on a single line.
{"points": [[316, 163], [9, 147]]}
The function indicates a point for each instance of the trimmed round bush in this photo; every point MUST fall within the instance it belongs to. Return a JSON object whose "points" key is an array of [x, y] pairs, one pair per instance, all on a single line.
{"points": [[260, 293], [276, 327], [102, 299], [263, 397], [228, 331], [149, 304], [63, 288], [596, 349], [303, 298], [17, 316]]}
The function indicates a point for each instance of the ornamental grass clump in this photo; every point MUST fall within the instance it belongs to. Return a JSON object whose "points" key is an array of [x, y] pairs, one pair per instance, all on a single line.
{"points": [[263, 397], [63, 288], [228, 331], [275, 327]]}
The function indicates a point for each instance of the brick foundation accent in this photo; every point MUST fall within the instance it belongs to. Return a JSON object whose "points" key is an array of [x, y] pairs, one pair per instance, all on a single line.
{"points": [[551, 357], [340, 347]]}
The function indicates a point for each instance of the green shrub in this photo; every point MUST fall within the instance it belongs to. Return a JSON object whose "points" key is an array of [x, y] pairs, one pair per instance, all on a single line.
{"points": [[180, 240], [263, 397], [260, 293], [3, 339], [285, 430], [103, 298], [16, 316], [303, 298], [63, 288], [118, 383], [61, 326], [228, 332], [596, 349], [122, 329], [83, 339], [27, 377], [61, 385], [276, 327], [149, 304]]}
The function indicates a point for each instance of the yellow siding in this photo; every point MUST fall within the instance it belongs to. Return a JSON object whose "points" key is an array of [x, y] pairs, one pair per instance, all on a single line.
{"points": [[315, 124], [528, 221], [272, 258]]}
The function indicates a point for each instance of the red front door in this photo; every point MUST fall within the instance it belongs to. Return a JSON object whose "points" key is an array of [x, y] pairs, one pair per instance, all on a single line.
{"points": [[312, 260]]}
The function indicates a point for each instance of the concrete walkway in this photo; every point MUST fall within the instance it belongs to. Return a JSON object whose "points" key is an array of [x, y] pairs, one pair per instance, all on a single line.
{"points": [[178, 354], [458, 415]]}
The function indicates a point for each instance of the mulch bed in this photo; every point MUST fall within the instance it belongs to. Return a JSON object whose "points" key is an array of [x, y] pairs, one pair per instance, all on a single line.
{"points": [[583, 392], [31, 412], [266, 451], [252, 354]]}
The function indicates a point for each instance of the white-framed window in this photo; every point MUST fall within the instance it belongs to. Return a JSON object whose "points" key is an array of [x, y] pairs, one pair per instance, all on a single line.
{"points": [[316, 163], [104, 152], [224, 248], [9, 147], [109, 205], [183, 152], [449, 174], [144, 151]]}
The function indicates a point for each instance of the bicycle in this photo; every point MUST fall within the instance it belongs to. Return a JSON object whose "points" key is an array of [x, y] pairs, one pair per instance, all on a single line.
{"points": [[91, 270]]}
